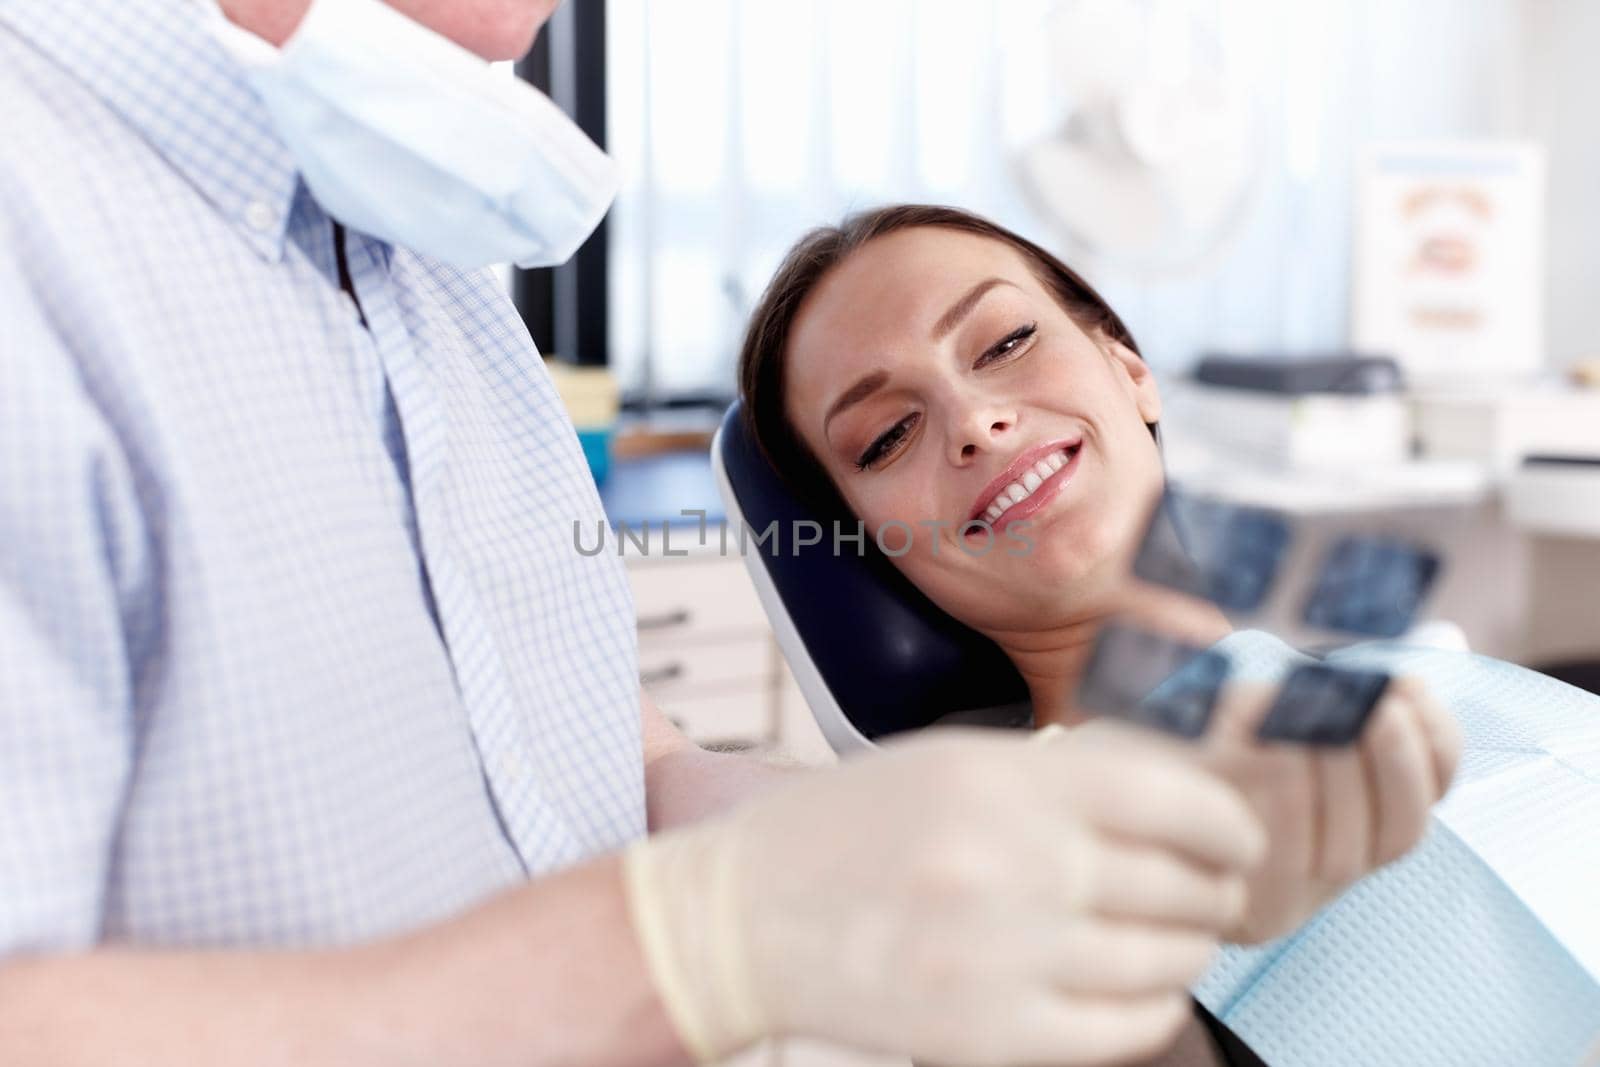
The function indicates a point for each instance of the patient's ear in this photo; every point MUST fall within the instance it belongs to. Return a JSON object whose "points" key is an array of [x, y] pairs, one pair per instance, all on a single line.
{"points": [[1139, 380]]}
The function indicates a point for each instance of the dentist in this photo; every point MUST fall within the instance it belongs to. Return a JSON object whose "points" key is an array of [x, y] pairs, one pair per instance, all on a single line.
{"points": [[319, 743]]}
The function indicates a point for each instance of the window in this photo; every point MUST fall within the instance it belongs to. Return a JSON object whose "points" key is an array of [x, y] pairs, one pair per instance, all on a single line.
{"points": [[739, 124]]}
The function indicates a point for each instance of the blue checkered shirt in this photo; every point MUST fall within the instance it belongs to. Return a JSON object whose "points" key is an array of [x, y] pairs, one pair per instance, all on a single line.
{"points": [[295, 644]]}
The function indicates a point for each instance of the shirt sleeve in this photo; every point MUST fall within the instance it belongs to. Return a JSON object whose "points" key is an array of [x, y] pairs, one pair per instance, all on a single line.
{"points": [[74, 566]]}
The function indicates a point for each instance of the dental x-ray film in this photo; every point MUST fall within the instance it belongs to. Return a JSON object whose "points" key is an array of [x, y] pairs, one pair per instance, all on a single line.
{"points": [[1371, 585], [1152, 680], [1323, 705], [1226, 553]]}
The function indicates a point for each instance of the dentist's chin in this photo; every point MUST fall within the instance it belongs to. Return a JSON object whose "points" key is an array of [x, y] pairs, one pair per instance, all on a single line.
{"points": [[496, 30], [519, 28]]}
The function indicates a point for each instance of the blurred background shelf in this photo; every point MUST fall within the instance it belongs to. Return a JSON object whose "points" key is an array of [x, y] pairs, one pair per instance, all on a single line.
{"points": [[1560, 498]]}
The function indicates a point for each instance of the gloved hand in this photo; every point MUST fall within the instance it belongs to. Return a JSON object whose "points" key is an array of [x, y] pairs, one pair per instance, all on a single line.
{"points": [[965, 897], [1333, 815]]}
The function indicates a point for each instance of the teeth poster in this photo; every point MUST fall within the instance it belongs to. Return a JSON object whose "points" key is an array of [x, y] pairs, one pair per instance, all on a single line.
{"points": [[1449, 259]]}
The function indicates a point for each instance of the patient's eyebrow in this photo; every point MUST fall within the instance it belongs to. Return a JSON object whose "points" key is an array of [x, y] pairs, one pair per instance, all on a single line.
{"points": [[864, 387], [963, 307], [868, 384]]}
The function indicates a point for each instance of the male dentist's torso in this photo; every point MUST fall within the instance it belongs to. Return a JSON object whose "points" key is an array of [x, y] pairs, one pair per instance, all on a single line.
{"points": [[338, 670]]}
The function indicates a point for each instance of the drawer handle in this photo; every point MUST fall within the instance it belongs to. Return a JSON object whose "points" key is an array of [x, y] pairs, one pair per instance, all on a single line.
{"points": [[676, 617], [661, 674]]}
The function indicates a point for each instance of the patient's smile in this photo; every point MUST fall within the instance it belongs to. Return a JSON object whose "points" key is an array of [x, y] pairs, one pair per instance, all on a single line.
{"points": [[1031, 481]]}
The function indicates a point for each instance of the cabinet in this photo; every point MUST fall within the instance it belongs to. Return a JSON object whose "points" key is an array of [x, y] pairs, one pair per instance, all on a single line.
{"points": [[708, 658]]}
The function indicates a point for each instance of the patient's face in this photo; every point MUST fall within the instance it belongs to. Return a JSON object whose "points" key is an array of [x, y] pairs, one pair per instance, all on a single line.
{"points": [[925, 415]]}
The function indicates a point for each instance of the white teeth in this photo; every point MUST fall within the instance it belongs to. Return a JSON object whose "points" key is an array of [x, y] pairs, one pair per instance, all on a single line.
{"points": [[1017, 492]]}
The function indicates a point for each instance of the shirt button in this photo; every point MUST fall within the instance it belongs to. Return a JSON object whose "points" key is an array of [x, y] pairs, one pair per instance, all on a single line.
{"points": [[259, 216]]}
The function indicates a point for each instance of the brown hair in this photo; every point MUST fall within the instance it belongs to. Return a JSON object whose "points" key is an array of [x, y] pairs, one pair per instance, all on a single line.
{"points": [[766, 340]]}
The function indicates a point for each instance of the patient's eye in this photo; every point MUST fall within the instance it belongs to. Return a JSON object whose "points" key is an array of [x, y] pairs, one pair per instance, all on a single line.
{"points": [[886, 443], [1009, 345]]}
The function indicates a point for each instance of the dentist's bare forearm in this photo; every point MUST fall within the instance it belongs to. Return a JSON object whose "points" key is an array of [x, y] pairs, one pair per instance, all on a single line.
{"points": [[684, 783], [545, 974], [690, 784]]}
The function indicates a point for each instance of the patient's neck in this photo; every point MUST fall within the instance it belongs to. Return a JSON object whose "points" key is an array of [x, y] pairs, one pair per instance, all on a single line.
{"points": [[1052, 660]]}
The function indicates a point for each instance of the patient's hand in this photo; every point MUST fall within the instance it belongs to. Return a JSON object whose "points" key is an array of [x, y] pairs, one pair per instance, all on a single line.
{"points": [[1333, 815]]}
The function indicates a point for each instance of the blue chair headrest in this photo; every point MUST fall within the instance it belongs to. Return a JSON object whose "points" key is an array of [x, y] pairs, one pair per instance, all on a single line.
{"points": [[891, 659]]}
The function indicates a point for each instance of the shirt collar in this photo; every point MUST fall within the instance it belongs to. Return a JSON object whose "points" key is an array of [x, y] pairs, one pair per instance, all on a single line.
{"points": [[155, 63]]}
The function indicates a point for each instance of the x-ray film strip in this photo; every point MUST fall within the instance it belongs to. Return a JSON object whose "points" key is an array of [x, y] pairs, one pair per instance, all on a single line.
{"points": [[1231, 555], [1149, 679], [1371, 585], [1322, 705], [1172, 686]]}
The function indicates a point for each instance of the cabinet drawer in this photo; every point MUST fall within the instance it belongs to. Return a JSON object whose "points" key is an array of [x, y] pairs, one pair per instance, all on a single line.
{"points": [[691, 598], [745, 660]]}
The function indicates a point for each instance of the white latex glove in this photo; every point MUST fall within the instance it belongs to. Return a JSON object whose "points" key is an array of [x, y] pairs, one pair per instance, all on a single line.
{"points": [[965, 897], [1333, 815]]}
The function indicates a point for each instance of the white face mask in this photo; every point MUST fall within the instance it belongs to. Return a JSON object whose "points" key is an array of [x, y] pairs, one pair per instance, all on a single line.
{"points": [[404, 135]]}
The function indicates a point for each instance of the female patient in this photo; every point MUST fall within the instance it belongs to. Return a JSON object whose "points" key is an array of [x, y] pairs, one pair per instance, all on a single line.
{"points": [[920, 365]]}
